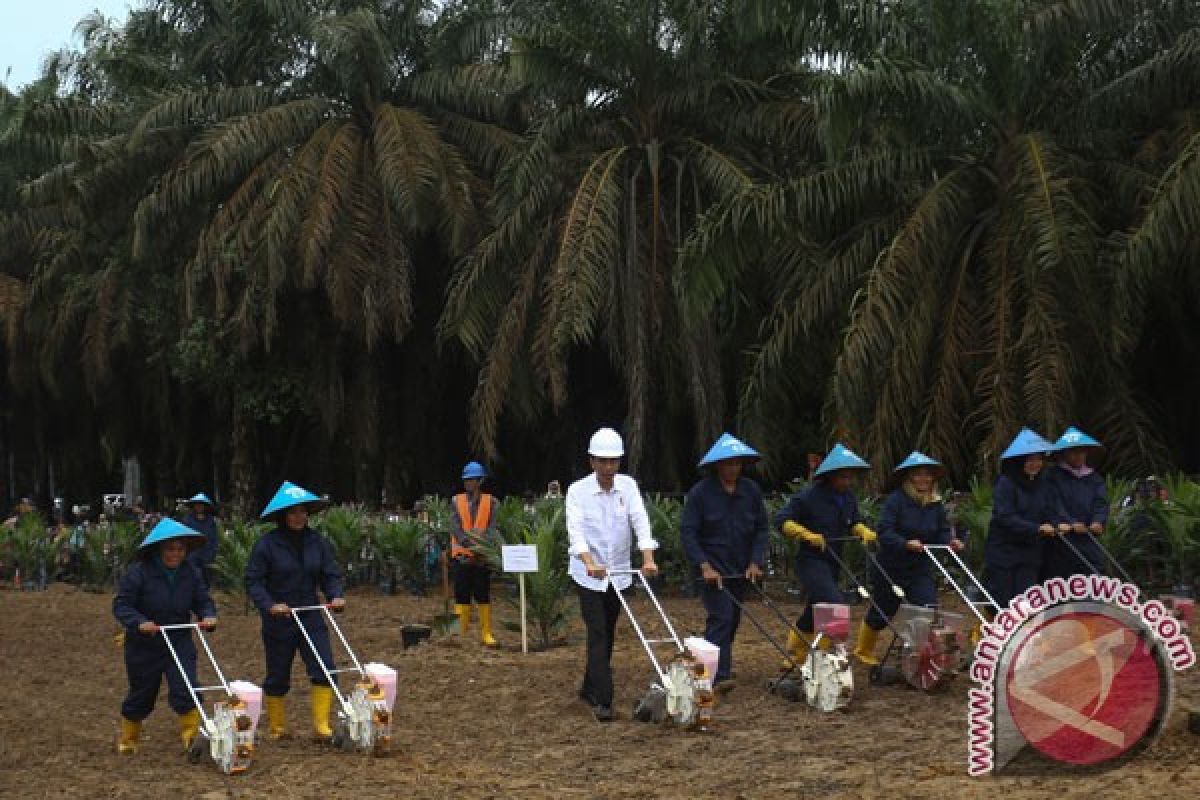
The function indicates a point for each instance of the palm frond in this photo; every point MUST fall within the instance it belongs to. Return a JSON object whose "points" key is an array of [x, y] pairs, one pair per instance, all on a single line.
{"points": [[589, 246]]}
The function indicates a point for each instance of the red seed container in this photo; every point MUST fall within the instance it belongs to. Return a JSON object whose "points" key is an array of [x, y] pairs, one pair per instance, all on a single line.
{"points": [[833, 620]]}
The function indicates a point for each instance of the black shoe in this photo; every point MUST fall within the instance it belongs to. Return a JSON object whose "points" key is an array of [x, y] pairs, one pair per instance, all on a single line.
{"points": [[603, 713], [587, 698]]}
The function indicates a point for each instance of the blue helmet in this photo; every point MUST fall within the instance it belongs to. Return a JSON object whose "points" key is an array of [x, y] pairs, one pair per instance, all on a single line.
{"points": [[201, 497], [919, 459], [474, 469], [1073, 437], [840, 457], [288, 495], [168, 528], [1026, 443], [727, 447]]}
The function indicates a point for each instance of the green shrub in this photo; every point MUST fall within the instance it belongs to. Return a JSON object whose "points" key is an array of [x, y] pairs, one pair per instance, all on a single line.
{"points": [[399, 547], [973, 511], [666, 517], [346, 528], [233, 554], [546, 591], [1180, 527], [31, 548]]}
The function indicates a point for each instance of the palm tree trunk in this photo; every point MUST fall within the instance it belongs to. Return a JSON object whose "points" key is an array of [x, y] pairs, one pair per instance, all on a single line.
{"points": [[241, 470]]}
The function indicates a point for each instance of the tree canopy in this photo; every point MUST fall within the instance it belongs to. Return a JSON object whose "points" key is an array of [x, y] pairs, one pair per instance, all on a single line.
{"points": [[357, 242]]}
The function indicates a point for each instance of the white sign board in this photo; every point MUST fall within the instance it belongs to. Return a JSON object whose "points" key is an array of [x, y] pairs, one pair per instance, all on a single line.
{"points": [[520, 557]]}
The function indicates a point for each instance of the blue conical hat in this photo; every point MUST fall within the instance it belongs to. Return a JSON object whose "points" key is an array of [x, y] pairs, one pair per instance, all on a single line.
{"points": [[168, 528], [474, 469], [289, 495], [840, 457], [201, 497], [726, 447], [919, 459], [1026, 443], [1073, 437]]}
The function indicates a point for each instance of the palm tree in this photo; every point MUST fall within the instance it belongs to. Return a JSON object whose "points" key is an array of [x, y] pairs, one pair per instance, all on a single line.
{"points": [[75, 309], [323, 196], [644, 115], [959, 232], [1158, 253], [268, 220]]}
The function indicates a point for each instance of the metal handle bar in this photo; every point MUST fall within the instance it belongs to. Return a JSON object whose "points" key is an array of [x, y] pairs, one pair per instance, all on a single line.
{"points": [[1065, 539], [862, 590], [931, 550], [329, 672], [760, 627], [1062, 537], [196, 691], [1117, 564], [896, 588], [646, 643]]}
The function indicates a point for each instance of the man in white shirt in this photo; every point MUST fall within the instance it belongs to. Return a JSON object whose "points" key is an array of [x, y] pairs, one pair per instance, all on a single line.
{"points": [[603, 510]]}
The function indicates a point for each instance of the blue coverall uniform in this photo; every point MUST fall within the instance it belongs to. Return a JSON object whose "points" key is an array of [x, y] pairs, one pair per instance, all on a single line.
{"points": [[289, 567], [1013, 553], [831, 514], [204, 556], [150, 593], [900, 519], [1077, 499], [729, 531]]}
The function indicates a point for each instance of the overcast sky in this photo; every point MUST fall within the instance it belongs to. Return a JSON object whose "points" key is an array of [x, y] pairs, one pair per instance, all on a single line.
{"points": [[29, 29]]}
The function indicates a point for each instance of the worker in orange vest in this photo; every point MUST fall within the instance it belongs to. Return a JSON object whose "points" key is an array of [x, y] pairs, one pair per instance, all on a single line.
{"points": [[472, 527]]}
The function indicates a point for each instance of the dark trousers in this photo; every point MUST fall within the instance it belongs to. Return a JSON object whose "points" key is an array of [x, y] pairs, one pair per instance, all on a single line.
{"points": [[820, 582], [919, 590], [1005, 583], [472, 581], [145, 664], [600, 611], [280, 645], [724, 616]]}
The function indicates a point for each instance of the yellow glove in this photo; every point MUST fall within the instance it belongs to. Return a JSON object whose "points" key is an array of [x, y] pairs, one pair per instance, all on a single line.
{"points": [[794, 530], [864, 533]]}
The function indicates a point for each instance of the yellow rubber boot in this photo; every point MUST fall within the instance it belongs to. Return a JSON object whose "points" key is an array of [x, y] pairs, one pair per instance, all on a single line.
{"points": [[797, 647], [464, 616], [321, 701], [485, 625], [189, 726], [864, 649], [128, 741], [276, 717]]}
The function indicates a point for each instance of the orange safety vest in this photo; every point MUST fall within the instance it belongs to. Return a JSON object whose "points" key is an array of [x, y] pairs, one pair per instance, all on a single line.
{"points": [[483, 517]]}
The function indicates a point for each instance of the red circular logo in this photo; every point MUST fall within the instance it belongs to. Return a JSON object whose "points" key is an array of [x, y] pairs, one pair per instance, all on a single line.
{"points": [[1084, 687]]}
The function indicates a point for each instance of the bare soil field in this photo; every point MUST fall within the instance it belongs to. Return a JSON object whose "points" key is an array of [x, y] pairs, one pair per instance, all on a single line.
{"points": [[478, 723]]}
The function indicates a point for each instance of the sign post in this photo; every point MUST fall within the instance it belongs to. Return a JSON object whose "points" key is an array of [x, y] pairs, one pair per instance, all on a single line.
{"points": [[520, 558]]}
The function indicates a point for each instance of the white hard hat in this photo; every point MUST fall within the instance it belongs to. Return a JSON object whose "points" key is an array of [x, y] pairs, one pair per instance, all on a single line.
{"points": [[606, 443]]}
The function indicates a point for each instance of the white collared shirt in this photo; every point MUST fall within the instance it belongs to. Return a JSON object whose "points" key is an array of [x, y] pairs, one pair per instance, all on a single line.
{"points": [[601, 523]]}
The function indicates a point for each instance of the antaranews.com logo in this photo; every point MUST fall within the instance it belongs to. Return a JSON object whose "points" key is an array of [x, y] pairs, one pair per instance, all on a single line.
{"points": [[1079, 669]]}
